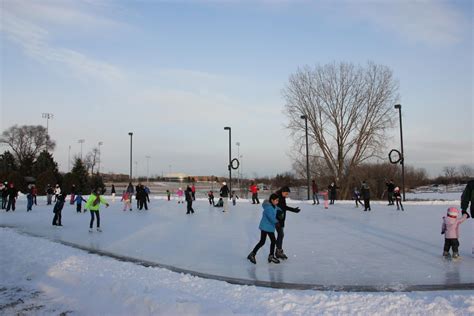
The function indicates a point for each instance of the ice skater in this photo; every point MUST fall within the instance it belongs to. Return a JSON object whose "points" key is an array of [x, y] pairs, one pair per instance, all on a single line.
{"points": [[234, 197], [450, 229], [210, 197], [189, 200], [356, 196], [314, 188], [332, 189], [113, 192], [12, 196], [58, 208], [254, 190], [466, 198], [365, 193], [224, 193], [267, 228], [281, 216], [78, 199], [29, 199], [127, 204], [93, 205], [180, 194], [168, 195], [398, 198]]}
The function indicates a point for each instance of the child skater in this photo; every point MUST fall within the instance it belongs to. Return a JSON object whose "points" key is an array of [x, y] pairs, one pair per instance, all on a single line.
{"points": [[450, 229], [126, 201], [79, 199], [58, 208], [356, 196], [267, 227], [168, 194], [180, 194], [234, 197], [398, 198], [93, 205], [210, 197]]}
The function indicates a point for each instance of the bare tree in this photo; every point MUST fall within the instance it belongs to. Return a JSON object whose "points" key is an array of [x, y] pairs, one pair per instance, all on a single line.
{"points": [[449, 172], [91, 160], [27, 142], [348, 109], [466, 172]]}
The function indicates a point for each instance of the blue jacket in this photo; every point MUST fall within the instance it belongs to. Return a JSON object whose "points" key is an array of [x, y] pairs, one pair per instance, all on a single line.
{"points": [[268, 221]]}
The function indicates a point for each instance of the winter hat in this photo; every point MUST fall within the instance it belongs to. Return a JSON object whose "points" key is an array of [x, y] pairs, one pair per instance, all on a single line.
{"points": [[223, 183], [396, 189], [453, 212], [285, 189]]}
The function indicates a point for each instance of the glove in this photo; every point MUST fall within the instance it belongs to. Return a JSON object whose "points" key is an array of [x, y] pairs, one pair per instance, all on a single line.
{"points": [[297, 210], [443, 231], [465, 212]]}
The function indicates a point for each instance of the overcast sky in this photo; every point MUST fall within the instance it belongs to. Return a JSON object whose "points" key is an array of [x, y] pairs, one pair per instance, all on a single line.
{"points": [[176, 72]]}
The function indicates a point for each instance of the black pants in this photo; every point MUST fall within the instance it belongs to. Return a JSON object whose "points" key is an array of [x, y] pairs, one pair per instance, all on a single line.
{"points": [[315, 198], [78, 207], [390, 198], [11, 204], [211, 201], [332, 198], [281, 234], [367, 204], [358, 201], [57, 218], [4, 203], [255, 198], [399, 202], [189, 207], [34, 200], [49, 198], [448, 243], [142, 203], [194, 196], [263, 237], [92, 218]]}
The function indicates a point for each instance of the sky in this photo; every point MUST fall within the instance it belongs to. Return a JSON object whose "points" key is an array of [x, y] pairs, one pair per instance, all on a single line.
{"points": [[176, 72]]}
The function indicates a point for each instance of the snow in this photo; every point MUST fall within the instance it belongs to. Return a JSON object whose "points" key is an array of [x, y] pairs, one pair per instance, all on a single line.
{"points": [[339, 246]]}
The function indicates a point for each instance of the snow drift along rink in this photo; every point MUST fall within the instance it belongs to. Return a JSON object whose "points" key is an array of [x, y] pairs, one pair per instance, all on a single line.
{"points": [[42, 277]]}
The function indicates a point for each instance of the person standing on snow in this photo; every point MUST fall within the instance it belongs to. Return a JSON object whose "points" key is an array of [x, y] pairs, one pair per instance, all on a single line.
{"points": [[93, 205], [58, 208], [193, 190], [356, 196], [224, 193], [49, 194], [314, 188], [4, 193], [281, 216], [267, 228], [113, 192], [390, 190], [131, 192], [180, 194], [365, 193], [210, 197], [254, 190], [79, 199], [189, 200], [12, 195], [398, 198], [450, 229], [332, 188]]}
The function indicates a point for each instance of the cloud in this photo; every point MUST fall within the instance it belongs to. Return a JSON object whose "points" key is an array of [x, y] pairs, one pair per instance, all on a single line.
{"points": [[36, 40], [429, 22]]}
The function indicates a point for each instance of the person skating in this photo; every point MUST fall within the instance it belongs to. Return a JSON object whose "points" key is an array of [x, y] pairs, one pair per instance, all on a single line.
{"points": [[314, 188], [356, 197], [365, 193], [78, 199], [73, 194], [224, 193], [234, 197], [93, 205], [113, 192], [58, 209], [281, 216], [466, 198], [34, 192], [220, 203], [189, 200], [142, 197], [267, 228], [131, 192], [390, 191], [332, 188], [180, 194], [210, 197], [12, 195], [49, 194], [168, 195], [127, 204], [193, 190], [254, 190], [29, 199], [137, 193], [4, 195], [398, 198], [450, 229], [57, 192]]}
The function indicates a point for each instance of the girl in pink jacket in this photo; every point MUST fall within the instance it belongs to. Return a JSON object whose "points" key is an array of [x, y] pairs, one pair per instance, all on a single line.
{"points": [[180, 194], [450, 229]]}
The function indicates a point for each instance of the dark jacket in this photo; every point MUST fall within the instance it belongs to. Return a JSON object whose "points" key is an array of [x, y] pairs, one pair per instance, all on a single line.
{"points": [[365, 191], [390, 187], [282, 208], [188, 194], [468, 197], [12, 193], [332, 191], [224, 192]]}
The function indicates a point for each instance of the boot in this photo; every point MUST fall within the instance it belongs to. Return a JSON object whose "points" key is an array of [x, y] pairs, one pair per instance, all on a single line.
{"points": [[251, 257], [271, 258], [280, 254], [455, 255]]}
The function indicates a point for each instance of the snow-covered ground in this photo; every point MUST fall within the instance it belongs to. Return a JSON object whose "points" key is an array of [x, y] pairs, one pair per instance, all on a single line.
{"points": [[339, 246]]}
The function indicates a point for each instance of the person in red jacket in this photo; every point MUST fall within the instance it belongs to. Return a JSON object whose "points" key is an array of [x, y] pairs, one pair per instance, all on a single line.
{"points": [[254, 190]]}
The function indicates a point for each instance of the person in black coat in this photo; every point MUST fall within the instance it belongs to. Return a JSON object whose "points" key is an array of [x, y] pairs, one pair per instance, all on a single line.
{"points": [[365, 193], [4, 195], [58, 208], [224, 193], [468, 197], [189, 199], [281, 216], [332, 188], [12, 195], [390, 191], [142, 197]]}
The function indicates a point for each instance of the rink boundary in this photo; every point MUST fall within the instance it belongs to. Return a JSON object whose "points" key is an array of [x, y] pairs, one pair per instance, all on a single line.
{"points": [[248, 282]]}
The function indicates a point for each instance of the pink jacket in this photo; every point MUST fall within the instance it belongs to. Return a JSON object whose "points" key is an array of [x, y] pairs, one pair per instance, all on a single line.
{"points": [[450, 226], [180, 193]]}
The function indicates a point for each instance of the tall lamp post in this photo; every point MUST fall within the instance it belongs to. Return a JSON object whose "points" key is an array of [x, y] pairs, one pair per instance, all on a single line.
{"points": [[402, 161], [230, 157], [47, 116], [307, 151], [238, 170], [131, 137], [81, 141], [98, 169]]}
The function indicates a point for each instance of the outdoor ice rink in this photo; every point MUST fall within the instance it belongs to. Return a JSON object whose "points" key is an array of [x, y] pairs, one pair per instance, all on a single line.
{"points": [[340, 248]]}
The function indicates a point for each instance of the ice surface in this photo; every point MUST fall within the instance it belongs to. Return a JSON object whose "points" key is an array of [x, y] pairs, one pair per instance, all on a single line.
{"points": [[341, 246]]}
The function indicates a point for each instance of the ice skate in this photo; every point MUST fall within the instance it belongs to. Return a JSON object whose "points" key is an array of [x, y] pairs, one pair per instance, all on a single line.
{"points": [[251, 257], [271, 258], [99, 230], [90, 230], [280, 254], [456, 255]]}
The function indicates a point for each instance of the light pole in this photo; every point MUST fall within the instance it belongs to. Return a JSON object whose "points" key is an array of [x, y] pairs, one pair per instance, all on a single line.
{"points": [[402, 161], [47, 116], [307, 151], [98, 169], [230, 157], [238, 170], [131, 137], [147, 169], [136, 169], [81, 141]]}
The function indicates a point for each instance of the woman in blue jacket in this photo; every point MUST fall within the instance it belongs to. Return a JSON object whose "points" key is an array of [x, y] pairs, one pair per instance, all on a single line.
{"points": [[267, 227]]}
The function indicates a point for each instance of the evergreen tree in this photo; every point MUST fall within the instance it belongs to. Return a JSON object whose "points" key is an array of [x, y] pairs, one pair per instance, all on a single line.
{"points": [[96, 181], [45, 162], [43, 179], [7, 164], [80, 173]]}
